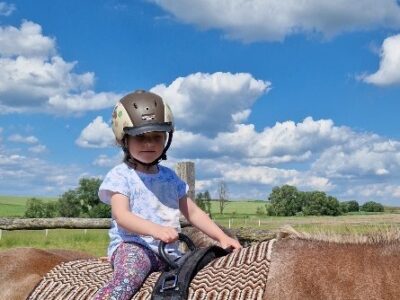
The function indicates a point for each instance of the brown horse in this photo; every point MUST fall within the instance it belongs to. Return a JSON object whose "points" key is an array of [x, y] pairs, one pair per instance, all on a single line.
{"points": [[302, 267], [21, 269]]}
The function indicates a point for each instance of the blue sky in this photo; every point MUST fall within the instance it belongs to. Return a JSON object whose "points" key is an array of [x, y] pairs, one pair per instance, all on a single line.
{"points": [[264, 93]]}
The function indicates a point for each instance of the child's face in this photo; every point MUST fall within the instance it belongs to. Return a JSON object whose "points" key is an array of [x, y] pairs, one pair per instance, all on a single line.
{"points": [[147, 147]]}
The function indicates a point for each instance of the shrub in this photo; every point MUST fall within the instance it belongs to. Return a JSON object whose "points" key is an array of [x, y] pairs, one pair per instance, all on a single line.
{"points": [[260, 210], [372, 206], [34, 208]]}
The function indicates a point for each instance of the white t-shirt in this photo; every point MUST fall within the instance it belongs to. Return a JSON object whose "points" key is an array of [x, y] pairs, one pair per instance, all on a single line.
{"points": [[154, 197]]}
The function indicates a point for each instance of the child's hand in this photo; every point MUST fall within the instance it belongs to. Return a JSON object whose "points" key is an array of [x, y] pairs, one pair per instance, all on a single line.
{"points": [[166, 234], [228, 242]]}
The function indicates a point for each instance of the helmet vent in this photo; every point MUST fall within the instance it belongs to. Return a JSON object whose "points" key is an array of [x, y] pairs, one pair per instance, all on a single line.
{"points": [[148, 117], [135, 105]]}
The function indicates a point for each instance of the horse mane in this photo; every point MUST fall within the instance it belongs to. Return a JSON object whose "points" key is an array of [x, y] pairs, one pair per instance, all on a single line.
{"points": [[379, 235]]}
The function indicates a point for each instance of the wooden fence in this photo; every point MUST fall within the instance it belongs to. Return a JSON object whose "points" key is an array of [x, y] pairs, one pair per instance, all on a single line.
{"points": [[245, 235]]}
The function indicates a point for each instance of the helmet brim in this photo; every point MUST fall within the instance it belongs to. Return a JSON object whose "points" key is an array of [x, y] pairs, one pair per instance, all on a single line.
{"points": [[133, 131]]}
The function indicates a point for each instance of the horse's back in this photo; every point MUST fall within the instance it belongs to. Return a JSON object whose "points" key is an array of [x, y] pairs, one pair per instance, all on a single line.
{"points": [[23, 268], [303, 269]]}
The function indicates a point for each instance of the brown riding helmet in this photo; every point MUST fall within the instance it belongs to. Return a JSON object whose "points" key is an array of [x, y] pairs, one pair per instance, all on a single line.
{"points": [[141, 112]]}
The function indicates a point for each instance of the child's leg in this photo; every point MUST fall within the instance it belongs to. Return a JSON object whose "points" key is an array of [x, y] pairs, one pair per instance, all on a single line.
{"points": [[132, 263]]}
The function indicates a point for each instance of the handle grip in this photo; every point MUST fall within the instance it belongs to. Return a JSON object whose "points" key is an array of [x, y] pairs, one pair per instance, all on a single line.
{"points": [[161, 249]]}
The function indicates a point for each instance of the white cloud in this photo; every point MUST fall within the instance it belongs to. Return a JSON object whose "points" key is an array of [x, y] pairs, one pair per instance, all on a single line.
{"points": [[6, 9], [85, 101], [27, 41], [97, 134], [38, 149], [389, 67], [284, 142], [25, 175], [34, 78], [205, 103], [373, 191], [17, 138], [275, 176], [365, 156], [273, 20], [241, 116], [107, 161], [312, 154]]}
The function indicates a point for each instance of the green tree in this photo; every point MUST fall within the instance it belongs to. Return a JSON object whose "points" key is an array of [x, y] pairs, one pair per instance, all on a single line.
{"points": [[100, 210], [35, 208], [87, 192], [69, 204], [207, 201], [372, 206], [84, 201], [222, 195], [284, 201], [317, 203], [349, 206], [260, 210], [51, 209], [200, 201]]}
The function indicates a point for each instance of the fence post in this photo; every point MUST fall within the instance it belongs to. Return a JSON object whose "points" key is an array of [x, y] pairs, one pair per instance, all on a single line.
{"points": [[185, 170], [1, 231]]}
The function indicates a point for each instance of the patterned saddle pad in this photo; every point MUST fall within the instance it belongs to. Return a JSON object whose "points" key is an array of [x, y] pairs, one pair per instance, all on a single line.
{"points": [[239, 275]]}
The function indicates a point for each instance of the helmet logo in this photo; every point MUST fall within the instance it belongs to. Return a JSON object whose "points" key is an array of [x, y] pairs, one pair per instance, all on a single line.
{"points": [[148, 117]]}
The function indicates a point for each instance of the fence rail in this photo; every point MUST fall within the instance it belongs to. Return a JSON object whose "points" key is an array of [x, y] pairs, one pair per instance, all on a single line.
{"points": [[54, 223], [246, 235]]}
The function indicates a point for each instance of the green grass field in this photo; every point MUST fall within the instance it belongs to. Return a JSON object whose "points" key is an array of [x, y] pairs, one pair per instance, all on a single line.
{"points": [[14, 206]]}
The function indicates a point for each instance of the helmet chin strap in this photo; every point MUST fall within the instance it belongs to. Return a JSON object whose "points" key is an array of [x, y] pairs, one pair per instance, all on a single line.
{"points": [[132, 160]]}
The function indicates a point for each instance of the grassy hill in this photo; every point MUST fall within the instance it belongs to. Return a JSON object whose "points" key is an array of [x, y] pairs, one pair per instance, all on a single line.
{"points": [[14, 206]]}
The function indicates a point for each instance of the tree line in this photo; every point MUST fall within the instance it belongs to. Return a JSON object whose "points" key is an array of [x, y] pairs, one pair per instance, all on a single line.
{"points": [[82, 202], [287, 200], [282, 201]]}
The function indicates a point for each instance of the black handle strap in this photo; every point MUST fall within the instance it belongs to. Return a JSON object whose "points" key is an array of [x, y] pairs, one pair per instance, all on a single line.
{"points": [[161, 250]]}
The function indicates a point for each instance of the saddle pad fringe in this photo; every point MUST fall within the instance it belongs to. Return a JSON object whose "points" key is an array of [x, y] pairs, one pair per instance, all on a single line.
{"points": [[241, 275]]}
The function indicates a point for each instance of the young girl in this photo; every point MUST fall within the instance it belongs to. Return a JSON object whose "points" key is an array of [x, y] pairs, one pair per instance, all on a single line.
{"points": [[146, 198]]}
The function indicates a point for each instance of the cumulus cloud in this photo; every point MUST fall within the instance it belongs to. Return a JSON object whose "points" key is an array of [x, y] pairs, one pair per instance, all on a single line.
{"points": [[28, 175], [273, 20], [275, 176], [34, 78], [97, 134], [17, 138], [211, 103], [6, 9], [374, 190], [38, 149], [284, 142], [312, 154], [389, 66], [364, 156], [106, 161]]}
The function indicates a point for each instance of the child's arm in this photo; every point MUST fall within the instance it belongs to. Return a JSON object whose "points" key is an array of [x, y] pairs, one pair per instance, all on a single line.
{"points": [[133, 223], [201, 220]]}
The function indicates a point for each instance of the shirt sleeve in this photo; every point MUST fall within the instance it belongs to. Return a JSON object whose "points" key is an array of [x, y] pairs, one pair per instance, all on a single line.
{"points": [[182, 187], [114, 182]]}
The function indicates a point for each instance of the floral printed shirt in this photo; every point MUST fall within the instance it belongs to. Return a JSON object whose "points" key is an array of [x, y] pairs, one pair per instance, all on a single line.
{"points": [[154, 197]]}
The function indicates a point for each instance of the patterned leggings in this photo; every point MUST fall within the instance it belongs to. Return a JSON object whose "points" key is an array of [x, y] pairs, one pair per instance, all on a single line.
{"points": [[132, 263]]}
